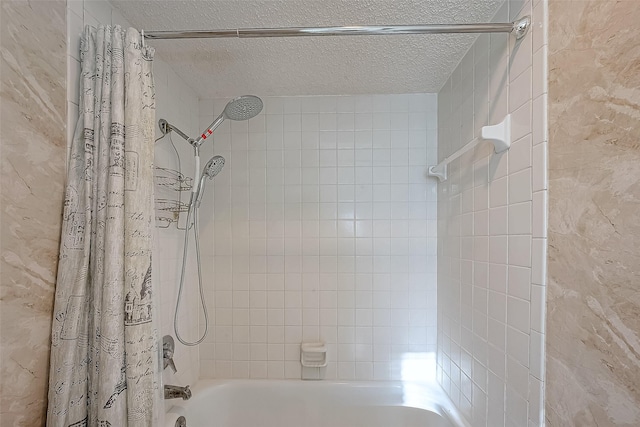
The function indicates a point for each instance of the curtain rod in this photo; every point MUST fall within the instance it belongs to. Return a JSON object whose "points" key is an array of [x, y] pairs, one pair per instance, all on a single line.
{"points": [[519, 27]]}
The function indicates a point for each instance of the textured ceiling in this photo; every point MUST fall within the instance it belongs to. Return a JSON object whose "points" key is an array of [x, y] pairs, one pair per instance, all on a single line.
{"points": [[310, 65]]}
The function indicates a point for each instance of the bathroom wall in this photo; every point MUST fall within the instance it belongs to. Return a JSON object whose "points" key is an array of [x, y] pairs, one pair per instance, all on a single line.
{"points": [[178, 104], [325, 230], [593, 375], [492, 229], [32, 102]]}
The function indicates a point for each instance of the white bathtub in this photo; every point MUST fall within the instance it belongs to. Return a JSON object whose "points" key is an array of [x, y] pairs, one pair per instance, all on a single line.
{"points": [[274, 403]]}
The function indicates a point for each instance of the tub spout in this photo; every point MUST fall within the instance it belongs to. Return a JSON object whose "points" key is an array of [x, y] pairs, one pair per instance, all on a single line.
{"points": [[175, 391]]}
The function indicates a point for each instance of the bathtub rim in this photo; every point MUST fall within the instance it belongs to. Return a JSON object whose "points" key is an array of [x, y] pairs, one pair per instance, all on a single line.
{"points": [[443, 404]]}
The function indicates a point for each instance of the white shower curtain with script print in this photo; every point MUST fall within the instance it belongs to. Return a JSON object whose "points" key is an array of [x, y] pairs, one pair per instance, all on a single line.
{"points": [[104, 355]]}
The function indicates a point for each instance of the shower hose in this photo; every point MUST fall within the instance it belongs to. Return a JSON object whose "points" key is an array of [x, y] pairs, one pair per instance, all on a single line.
{"points": [[193, 211]]}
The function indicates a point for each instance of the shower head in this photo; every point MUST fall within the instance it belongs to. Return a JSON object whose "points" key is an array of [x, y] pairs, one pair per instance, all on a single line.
{"points": [[240, 108], [243, 107], [213, 167]]}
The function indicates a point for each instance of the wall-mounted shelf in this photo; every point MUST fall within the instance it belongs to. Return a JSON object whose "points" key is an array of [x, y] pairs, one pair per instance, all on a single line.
{"points": [[168, 211], [499, 135], [172, 179], [168, 181]]}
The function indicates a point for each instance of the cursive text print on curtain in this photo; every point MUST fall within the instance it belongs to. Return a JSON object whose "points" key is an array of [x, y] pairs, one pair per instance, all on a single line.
{"points": [[104, 355]]}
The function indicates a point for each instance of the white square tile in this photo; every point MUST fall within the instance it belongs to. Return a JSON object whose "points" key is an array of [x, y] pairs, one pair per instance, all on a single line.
{"points": [[499, 220], [498, 249], [519, 282], [539, 219], [538, 25], [520, 89], [539, 170], [536, 399], [520, 186], [517, 377], [520, 218], [498, 278], [518, 314], [537, 307], [539, 261], [73, 80], [520, 250], [520, 155], [292, 105], [75, 29], [497, 306], [345, 140], [72, 120], [309, 123], [499, 192], [521, 121], [539, 126], [518, 346], [345, 121], [539, 72], [346, 158], [536, 348]]}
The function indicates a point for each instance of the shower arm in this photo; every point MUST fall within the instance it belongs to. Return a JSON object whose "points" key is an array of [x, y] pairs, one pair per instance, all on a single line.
{"points": [[208, 131], [166, 127]]}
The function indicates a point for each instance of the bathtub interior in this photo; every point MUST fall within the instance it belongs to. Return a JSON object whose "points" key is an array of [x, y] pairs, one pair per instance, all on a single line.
{"points": [[272, 403]]}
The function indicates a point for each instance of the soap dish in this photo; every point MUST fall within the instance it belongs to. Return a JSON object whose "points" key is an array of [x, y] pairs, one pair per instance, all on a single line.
{"points": [[313, 355]]}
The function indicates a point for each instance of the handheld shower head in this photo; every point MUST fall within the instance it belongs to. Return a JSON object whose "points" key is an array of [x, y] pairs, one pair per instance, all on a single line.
{"points": [[241, 108], [211, 169]]}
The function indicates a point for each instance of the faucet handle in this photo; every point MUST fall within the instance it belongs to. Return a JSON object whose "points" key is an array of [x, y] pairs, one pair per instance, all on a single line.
{"points": [[169, 362], [168, 346], [187, 393]]}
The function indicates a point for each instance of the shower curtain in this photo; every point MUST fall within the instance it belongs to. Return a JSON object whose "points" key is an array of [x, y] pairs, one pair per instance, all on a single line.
{"points": [[104, 356]]}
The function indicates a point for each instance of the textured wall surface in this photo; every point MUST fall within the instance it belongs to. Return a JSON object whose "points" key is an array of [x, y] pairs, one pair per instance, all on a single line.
{"points": [[33, 168], [492, 229], [593, 304], [325, 230]]}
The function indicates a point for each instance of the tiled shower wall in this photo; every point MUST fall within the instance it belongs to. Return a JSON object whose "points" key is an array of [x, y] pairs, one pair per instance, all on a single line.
{"points": [[324, 230], [492, 229], [178, 104]]}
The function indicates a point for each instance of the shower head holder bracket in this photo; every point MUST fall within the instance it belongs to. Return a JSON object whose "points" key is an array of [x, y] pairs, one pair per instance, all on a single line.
{"points": [[166, 127]]}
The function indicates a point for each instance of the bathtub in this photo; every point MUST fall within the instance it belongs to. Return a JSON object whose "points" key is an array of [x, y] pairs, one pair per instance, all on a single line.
{"points": [[288, 403]]}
